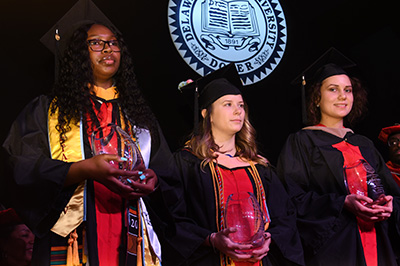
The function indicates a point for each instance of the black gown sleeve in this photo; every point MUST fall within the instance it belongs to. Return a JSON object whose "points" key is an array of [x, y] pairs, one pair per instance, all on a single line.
{"points": [[392, 189], [319, 207], [193, 208], [163, 164], [34, 181], [286, 248]]}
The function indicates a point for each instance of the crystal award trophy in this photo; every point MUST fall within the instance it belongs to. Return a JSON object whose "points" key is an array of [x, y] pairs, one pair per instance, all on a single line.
{"points": [[361, 179], [245, 214], [111, 139]]}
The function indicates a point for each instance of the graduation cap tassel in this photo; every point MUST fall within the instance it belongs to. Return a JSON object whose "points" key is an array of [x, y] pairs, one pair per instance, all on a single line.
{"points": [[196, 111], [303, 100], [211, 87], [57, 54]]}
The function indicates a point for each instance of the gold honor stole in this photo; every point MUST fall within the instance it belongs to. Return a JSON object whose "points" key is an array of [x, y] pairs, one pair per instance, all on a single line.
{"points": [[73, 214], [69, 151]]}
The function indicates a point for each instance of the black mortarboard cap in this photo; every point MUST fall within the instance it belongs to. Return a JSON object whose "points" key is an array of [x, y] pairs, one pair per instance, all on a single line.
{"points": [[211, 87], [331, 63], [83, 12]]}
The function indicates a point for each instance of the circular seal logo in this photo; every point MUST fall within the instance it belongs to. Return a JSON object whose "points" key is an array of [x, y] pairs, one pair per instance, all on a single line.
{"points": [[210, 34]]}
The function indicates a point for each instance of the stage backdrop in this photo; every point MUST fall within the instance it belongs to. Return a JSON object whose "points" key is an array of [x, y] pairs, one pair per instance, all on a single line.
{"points": [[366, 31]]}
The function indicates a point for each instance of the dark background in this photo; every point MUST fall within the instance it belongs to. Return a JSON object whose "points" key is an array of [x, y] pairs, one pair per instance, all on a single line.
{"points": [[366, 31]]}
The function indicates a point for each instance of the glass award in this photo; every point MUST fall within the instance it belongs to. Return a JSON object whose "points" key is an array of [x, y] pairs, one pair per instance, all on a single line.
{"points": [[111, 139], [361, 179], [243, 212]]}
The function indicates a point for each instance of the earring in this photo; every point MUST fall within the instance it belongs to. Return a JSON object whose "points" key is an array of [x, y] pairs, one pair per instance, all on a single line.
{"points": [[317, 105]]}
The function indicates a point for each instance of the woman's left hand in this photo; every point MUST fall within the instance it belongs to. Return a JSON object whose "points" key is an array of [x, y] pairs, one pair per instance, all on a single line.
{"points": [[386, 209], [144, 181], [364, 208], [259, 253]]}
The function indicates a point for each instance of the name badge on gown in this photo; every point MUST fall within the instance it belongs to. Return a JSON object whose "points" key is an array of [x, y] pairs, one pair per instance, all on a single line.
{"points": [[133, 231]]}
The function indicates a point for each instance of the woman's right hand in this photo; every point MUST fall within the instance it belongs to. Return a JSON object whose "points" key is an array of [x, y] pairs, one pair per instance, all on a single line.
{"points": [[99, 168]]}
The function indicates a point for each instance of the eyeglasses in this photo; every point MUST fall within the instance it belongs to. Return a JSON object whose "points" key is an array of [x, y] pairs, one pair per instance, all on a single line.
{"points": [[97, 45], [393, 142]]}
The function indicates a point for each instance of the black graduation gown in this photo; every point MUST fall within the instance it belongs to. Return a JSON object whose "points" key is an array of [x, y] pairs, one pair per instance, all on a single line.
{"points": [[312, 171], [195, 213], [35, 182]]}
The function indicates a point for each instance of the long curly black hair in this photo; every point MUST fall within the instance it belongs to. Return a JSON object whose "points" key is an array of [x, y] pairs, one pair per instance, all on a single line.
{"points": [[72, 94]]}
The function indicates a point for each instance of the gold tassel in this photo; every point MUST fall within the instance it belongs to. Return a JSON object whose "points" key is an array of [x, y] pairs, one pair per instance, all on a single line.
{"points": [[216, 194], [72, 250], [139, 250], [84, 257], [69, 251]]}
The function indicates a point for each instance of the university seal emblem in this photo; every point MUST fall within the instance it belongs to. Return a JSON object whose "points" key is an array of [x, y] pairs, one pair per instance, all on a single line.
{"points": [[209, 34]]}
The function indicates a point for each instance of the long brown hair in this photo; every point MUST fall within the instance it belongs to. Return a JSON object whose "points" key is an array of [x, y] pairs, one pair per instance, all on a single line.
{"points": [[204, 147]]}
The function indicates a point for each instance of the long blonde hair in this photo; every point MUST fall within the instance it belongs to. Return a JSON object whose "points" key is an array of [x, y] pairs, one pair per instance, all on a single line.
{"points": [[204, 147]]}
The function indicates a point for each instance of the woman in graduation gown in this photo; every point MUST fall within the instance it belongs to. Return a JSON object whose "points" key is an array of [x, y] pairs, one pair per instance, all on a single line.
{"points": [[219, 160], [338, 224], [64, 193]]}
